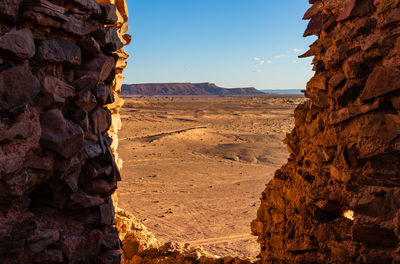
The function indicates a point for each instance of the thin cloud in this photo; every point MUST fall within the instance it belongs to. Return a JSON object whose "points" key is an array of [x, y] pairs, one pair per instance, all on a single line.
{"points": [[296, 50], [295, 61], [280, 56], [259, 61], [257, 70], [268, 61]]}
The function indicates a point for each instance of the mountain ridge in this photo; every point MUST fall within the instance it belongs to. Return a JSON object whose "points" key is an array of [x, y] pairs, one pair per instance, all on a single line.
{"points": [[188, 88]]}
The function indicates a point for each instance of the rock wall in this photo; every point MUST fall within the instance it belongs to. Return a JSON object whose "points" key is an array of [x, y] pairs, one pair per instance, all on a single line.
{"points": [[61, 66], [337, 198]]}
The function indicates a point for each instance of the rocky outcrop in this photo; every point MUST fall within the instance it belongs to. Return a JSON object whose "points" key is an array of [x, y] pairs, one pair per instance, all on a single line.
{"points": [[61, 66], [150, 89], [337, 198]]}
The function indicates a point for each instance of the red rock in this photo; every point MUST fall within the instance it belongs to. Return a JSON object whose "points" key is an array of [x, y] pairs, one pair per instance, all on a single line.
{"points": [[315, 25], [60, 135], [18, 86], [380, 82], [59, 50], [351, 111], [19, 43], [348, 8]]}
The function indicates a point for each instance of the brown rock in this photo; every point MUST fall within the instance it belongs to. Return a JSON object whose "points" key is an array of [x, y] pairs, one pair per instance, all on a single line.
{"points": [[351, 111], [375, 235], [9, 10], [44, 239], [107, 213], [108, 14], [60, 135], [100, 186], [55, 91], [58, 50], [19, 43], [84, 200], [381, 81], [348, 8], [101, 120], [18, 86], [108, 39], [100, 68], [86, 100], [49, 256], [89, 46]]}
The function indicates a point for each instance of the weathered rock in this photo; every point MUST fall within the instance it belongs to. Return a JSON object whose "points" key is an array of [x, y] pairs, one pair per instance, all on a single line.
{"points": [[19, 43], [60, 135], [18, 86], [108, 39], [380, 82], [100, 67], [44, 239], [58, 50], [55, 91], [101, 119], [9, 10]]}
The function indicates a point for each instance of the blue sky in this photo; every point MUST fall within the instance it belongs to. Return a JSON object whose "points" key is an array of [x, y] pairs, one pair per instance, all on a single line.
{"points": [[233, 43]]}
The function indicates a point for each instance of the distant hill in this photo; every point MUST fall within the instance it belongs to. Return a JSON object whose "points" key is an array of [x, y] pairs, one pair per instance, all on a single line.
{"points": [[287, 91], [150, 89]]}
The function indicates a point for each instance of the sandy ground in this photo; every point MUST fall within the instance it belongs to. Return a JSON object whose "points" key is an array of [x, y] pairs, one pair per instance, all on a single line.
{"points": [[195, 167]]}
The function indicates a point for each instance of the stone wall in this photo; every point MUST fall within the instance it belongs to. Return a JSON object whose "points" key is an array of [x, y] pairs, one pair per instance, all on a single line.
{"points": [[61, 66], [337, 198]]}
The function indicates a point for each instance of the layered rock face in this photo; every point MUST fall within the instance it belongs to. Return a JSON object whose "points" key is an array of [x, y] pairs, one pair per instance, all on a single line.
{"points": [[61, 66], [337, 198]]}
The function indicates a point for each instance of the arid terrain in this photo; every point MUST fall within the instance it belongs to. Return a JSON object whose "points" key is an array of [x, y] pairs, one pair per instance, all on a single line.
{"points": [[195, 167]]}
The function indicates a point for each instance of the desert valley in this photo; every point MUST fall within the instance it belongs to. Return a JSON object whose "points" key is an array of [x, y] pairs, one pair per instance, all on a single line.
{"points": [[195, 166]]}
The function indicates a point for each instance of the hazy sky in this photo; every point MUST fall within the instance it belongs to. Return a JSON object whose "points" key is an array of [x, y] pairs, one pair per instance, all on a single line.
{"points": [[233, 43]]}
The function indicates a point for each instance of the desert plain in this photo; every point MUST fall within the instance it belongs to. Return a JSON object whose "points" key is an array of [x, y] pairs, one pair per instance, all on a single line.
{"points": [[195, 166]]}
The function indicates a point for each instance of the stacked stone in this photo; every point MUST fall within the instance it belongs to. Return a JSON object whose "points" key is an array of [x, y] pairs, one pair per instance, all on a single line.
{"points": [[60, 76], [337, 198]]}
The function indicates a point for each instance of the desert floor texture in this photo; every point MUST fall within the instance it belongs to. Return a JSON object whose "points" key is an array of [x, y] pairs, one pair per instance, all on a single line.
{"points": [[195, 167]]}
